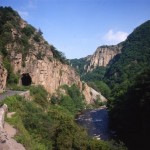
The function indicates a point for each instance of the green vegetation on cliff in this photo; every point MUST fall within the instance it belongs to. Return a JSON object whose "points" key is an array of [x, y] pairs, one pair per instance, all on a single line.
{"points": [[16, 36]]}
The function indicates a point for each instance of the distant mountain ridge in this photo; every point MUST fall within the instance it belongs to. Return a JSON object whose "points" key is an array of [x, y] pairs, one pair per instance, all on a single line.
{"points": [[101, 58], [118, 65]]}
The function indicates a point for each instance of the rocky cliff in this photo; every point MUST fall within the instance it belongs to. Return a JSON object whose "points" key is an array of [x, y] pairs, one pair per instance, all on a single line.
{"points": [[31, 58], [3, 77], [102, 56]]}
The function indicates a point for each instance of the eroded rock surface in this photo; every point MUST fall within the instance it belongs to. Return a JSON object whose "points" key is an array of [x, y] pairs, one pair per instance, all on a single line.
{"points": [[3, 77], [102, 56]]}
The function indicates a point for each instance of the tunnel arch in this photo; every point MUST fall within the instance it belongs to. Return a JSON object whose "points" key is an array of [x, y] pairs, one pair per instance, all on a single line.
{"points": [[26, 79]]}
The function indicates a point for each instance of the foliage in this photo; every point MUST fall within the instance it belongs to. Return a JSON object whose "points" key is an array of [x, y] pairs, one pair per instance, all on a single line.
{"points": [[51, 129], [96, 75], [129, 80], [11, 77], [40, 56], [58, 55], [130, 113], [26, 115], [36, 37], [101, 86], [133, 60], [94, 78], [39, 95], [73, 101], [79, 64], [28, 30]]}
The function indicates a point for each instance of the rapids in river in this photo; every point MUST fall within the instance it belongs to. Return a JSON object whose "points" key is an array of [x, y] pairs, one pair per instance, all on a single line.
{"points": [[96, 122]]}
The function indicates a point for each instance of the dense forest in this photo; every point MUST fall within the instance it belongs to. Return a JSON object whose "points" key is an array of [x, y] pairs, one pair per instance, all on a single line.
{"points": [[129, 78], [130, 113]]}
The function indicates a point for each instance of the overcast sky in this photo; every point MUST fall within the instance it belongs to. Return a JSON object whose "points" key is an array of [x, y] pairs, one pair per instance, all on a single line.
{"points": [[78, 27]]}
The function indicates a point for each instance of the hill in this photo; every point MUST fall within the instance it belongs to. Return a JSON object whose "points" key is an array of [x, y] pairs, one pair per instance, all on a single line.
{"points": [[47, 119], [126, 82], [128, 77], [30, 60], [133, 60]]}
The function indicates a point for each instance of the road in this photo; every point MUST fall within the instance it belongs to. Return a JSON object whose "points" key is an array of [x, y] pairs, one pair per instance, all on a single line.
{"points": [[9, 93]]}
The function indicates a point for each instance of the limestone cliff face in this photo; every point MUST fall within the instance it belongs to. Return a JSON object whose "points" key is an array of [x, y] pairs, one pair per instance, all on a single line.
{"points": [[102, 56], [39, 66], [32, 59], [52, 74], [3, 77]]}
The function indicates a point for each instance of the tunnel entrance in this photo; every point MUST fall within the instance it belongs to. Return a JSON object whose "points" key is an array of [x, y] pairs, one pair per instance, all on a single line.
{"points": [[26, 79]]}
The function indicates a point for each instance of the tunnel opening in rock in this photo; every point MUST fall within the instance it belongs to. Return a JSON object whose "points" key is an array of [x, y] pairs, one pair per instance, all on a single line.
{"points": [[26, 79]]}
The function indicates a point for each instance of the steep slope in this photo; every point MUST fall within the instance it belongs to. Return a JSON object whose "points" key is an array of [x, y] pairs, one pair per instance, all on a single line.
{"points": [[134, 59], [130, 114], [3, 76], [93, 67], [101, 58], [29, 59], [129, 79]]}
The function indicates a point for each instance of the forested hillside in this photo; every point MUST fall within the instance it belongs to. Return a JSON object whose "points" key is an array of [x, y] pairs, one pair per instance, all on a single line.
{"points": [[134, 59], [125, 81], [130, 114], [129, 78]]}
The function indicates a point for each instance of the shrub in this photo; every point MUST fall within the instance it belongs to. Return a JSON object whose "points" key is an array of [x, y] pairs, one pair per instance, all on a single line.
{"points": [[37, 38], [28, 30]]}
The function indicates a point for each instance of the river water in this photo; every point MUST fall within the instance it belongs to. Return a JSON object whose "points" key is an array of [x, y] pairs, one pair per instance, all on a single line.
{"points": [[96, 122]]}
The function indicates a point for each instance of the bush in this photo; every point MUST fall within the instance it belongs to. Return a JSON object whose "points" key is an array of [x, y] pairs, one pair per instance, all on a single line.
{"points": [[40, 95], [28, 30], [58, 55], [51, 129], [37, 38]]}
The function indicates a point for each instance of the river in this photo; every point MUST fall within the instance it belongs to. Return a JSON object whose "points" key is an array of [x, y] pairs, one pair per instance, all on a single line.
{"points": [[96, 122]]}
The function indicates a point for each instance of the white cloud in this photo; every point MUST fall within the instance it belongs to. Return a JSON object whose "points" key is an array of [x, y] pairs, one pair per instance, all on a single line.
{"points": [[23, 14], [115, 37]]}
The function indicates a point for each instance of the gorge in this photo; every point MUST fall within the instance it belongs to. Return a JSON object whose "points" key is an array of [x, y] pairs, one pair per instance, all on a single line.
{"points": [[57, 94]]}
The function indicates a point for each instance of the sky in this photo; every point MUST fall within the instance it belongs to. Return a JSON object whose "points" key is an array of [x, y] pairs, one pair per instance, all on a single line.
{"points": [[78, 27]]}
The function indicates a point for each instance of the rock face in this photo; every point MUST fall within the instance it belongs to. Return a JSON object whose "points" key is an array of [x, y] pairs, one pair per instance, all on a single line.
{"points": [[102, 56], [3, 110], [50, 74], [31, 59], [92, 95], [39, 66], [3, 77]]}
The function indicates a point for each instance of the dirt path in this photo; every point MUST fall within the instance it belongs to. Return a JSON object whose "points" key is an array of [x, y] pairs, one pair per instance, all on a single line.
{"points": [[6, 139]]}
